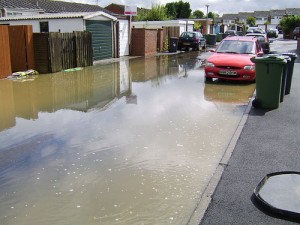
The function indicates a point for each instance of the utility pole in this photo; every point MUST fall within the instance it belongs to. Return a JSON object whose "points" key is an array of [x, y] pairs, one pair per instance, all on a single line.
{"points": [[207, 10]]}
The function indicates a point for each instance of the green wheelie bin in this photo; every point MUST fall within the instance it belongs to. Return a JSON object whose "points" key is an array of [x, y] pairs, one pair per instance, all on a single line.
{"points": [[269, 71]]}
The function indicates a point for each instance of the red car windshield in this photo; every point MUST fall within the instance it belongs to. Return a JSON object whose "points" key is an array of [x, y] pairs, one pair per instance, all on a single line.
{"points": [[236, 46]]}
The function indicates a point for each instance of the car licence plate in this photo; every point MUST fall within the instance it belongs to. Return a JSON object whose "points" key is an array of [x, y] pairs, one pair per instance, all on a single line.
{"points": [[186, 43], [228, 72]]}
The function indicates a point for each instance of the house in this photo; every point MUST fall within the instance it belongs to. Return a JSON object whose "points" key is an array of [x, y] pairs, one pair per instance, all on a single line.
{"points": [[262, 17], [229, 19], [276, 16], [109, 37], [243, 16]]}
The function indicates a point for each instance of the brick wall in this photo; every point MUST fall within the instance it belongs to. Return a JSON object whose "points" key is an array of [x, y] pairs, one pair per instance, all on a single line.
{"points": [[143, 42]]}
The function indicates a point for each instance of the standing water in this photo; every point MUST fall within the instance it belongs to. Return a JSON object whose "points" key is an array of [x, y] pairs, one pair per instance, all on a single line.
{"points": [[133, 142]]}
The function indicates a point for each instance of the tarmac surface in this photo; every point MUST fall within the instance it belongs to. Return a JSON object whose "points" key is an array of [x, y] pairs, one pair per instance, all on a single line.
{"points": [[268, 142]]}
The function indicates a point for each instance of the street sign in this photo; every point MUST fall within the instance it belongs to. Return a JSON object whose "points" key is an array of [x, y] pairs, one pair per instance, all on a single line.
{"points": [[130, 10]]}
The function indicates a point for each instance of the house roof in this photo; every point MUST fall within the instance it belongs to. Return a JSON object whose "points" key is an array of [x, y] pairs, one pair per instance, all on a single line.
{"points": [[17, 4], [245, 15], [278, 12], [84, 15], [229, 16], [261, 13], [51, 6], [293, 11]]}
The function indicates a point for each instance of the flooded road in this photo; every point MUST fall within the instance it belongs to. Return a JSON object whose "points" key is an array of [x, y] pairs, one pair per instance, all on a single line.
{"points": [[132, 142]]}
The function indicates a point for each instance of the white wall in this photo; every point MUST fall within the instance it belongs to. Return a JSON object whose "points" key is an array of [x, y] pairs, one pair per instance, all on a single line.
{"points": [[124, 37], [66, 25], [34, 23], [55, 25]]}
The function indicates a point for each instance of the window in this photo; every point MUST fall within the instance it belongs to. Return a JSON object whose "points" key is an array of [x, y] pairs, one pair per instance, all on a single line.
{"points": [[44, 26]]}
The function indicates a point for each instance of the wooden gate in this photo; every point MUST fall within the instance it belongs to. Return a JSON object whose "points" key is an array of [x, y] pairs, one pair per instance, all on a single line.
{"points": [[5, 64], [21, 48]]}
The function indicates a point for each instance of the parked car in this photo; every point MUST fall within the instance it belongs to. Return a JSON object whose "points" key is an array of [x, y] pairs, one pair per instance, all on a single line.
{"points": [[272, 32], [194, 40], [255, 30], [231, 33], [296, 33], [263, 41], [231, 60]]}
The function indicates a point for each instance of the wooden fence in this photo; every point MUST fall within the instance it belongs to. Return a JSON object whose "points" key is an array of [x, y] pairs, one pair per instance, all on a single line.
{"points": [[60, 51], [169, 32], [5, 64]]}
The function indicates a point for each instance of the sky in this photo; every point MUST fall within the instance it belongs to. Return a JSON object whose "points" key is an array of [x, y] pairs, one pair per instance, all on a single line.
{"points": [[216, 6]]}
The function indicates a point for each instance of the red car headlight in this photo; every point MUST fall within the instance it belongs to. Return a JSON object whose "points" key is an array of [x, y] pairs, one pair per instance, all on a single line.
{"points": [[210, 64], [249, 67]]}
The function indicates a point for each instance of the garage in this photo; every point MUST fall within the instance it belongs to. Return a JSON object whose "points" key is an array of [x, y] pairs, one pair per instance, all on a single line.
{"points": [[102, 38]]}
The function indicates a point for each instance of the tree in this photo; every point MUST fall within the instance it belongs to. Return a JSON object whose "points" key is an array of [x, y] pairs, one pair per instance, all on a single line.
{"points": [[289, 23], [197, 25], [211, 15], [177, 10], [171, 10], [156, 13], [184, 9], [251, 21], [198, 14]]}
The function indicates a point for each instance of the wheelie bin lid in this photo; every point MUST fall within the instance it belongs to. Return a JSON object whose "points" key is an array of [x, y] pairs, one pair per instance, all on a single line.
{"points": [[292, 55], [277, 194], [274, 58]]}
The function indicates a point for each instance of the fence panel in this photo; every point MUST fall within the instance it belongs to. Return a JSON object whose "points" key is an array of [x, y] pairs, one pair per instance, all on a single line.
{"points": [[55, 48], [59, 51], [83, 46], [5, 63], [41, 52], [68, 56]]}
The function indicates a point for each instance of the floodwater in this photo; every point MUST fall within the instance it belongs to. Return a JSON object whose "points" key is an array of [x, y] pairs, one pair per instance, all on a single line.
{"points": [[131, 142]]}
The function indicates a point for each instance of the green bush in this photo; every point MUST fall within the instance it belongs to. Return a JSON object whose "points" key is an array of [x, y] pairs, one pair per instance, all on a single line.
{"points": [[289, 23]]}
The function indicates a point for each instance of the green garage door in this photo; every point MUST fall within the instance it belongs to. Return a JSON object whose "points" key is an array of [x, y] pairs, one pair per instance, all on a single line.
{"points": [[101, 38]]}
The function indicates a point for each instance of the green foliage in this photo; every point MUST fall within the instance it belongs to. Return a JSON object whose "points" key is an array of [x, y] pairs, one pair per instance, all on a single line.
{"points": [[251, 21], [177, 10], [171, 10], [197, 25], [156, 13], [198, 14], [211, 15], [289, 23]]}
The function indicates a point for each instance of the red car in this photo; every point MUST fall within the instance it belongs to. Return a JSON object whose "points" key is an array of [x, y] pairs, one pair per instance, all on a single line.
{"points": [[231, 60]]}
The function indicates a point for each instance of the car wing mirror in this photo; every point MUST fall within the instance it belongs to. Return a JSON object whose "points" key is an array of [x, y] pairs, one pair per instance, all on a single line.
{"points": [[270, 41], [261, 53]]}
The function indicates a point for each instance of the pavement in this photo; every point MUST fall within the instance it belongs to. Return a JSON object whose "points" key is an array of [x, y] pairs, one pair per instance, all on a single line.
{"points": [[266, 141]]}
